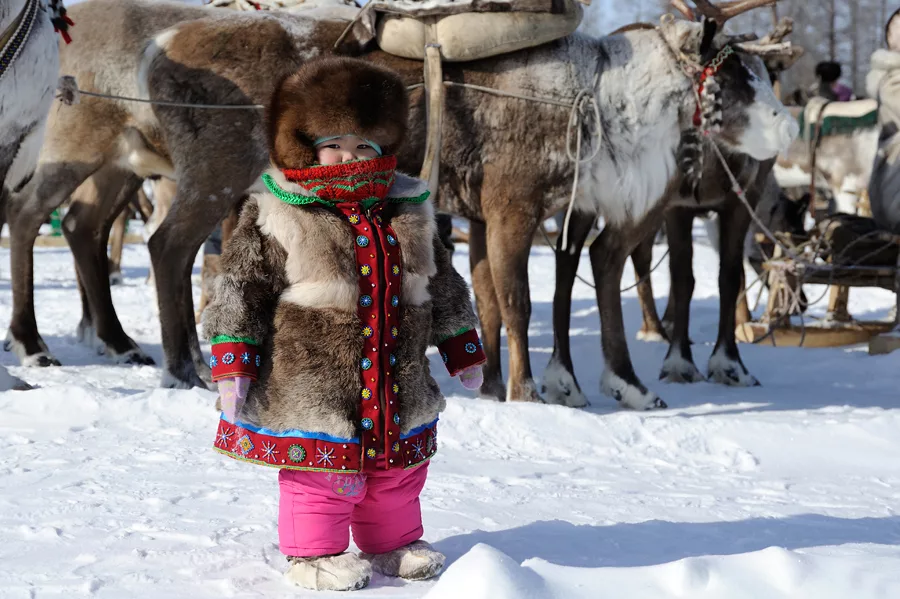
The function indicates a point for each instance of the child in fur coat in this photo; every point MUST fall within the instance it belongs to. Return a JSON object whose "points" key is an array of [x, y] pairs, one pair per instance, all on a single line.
{"points": [[333, 286]]}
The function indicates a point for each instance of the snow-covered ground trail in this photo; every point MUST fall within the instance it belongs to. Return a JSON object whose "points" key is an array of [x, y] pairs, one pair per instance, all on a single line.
{"points": [[109, 487]]}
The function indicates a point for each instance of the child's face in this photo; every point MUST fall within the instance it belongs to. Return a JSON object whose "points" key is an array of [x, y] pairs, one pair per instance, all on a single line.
{"points": [[344, 149]]}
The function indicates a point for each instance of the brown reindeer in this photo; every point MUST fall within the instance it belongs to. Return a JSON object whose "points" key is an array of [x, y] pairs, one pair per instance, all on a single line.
{"points": [[504, 160]]}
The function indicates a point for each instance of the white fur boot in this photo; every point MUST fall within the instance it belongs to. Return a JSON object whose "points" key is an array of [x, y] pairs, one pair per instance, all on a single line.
{"points": [[416, 561], [344, 572]]}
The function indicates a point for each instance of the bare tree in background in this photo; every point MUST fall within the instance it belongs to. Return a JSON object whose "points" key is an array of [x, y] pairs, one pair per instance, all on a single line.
{"points": [[847, 31]]}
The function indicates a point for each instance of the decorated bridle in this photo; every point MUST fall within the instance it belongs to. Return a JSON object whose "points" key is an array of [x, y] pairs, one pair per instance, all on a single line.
{"points": [[707, 121], [14, 38], [61, 22], [708, 114]]}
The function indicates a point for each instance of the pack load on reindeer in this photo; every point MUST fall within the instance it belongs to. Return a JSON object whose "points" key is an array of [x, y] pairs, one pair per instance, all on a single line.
{"points": [[471, 29]]}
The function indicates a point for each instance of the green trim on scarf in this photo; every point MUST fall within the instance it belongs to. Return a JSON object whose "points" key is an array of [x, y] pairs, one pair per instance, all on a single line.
{"points": [[291, 198], [456, 334], [229, 339], [300, 200], [416, 200]]}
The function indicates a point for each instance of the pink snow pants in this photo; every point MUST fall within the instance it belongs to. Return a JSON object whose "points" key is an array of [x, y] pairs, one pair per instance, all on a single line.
{"points": [[317, 510]]}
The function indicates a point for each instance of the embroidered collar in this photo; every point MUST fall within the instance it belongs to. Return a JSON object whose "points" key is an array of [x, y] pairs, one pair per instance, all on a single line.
{"points": [[366, 182]]}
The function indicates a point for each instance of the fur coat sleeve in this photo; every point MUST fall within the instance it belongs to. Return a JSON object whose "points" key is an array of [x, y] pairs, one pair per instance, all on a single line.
{"points": [[238, 321], [453, 319]]}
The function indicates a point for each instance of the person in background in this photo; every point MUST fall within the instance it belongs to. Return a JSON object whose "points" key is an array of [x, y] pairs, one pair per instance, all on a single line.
{"points": [[828, 73]]}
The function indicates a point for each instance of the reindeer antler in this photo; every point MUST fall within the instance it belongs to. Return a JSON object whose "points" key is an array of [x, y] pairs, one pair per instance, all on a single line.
{"points": [[774, 46], [720, 12]]}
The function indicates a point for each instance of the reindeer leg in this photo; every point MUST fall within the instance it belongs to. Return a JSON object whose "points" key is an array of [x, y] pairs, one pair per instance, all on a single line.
{"points": [[27, 210], [173, 247], [212, 259], [642, 259], [488, 307], [116, 243], [142, 205], [679, 366], [559, 385], [87, 226], [508, 248], [725, 365], [608, 255]]}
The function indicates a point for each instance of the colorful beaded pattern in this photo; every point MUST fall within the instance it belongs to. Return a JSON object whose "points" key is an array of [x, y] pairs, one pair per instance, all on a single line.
{"points": [[316, 454]]}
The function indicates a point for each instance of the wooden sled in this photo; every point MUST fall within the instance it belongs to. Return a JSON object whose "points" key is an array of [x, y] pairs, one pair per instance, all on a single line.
{"points": [[855, 255]]}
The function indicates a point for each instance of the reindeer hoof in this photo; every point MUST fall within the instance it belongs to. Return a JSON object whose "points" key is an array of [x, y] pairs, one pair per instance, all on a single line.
{"points": [[44, 361], [731, 372], [652, 336], [526, 392], [559, 387], [630, 396], [135, 358], [492, 390], [677, 369]]}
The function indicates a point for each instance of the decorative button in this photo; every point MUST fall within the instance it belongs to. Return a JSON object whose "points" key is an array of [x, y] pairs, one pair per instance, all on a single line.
{"points": [[366, 393], [391, 240], [395, 388], [395, 332], [397, 419], [365, 301], [365, 363], [365, 270], [367, 332], [395, 269], [296, 453], [354, 219], [362, 241], [367, 423], [395, 301], [393, 360]]}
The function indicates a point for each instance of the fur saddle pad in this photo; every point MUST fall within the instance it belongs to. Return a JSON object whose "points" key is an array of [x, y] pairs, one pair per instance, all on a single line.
{"points": [[465, 36], [837, 118]]}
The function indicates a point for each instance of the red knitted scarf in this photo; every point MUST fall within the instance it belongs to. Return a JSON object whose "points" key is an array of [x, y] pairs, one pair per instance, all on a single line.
{"points": [[356, 181]]}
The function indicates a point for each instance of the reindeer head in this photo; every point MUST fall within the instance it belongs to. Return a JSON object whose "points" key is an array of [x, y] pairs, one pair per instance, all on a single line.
{"points": [[736, 103]]}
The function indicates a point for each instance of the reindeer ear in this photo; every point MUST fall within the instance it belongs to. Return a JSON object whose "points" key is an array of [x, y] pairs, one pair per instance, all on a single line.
{"points": [[710, 27]]}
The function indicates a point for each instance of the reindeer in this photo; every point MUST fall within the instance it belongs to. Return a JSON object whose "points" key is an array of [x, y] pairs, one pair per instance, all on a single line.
{"points": [[688, 200], [28, 75], [489, 175], [843, 161]]}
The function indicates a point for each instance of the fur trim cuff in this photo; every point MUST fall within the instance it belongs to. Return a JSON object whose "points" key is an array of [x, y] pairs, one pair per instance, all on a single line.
{"points": [[462, 351], [235, 358]]}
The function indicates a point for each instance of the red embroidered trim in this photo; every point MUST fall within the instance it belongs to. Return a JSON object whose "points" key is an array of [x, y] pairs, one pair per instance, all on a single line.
{"points": [[462, 351], [301, 453], [235, 359]]}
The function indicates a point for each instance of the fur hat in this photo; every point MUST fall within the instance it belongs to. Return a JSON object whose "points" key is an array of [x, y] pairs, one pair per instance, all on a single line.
{"points": [[335, 96]]}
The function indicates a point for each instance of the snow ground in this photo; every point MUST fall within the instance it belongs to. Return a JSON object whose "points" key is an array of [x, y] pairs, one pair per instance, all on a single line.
{"points": [[109, 487]]}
